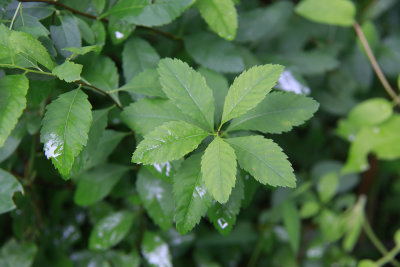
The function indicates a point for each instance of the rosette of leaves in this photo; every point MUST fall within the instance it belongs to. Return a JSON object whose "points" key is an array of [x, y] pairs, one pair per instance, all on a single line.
{"points": [[182, 123]]}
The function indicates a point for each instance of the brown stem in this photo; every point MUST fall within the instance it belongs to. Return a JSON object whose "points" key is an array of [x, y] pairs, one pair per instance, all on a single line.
{"points": [[375, 65], [51, 2], [100, 91]]}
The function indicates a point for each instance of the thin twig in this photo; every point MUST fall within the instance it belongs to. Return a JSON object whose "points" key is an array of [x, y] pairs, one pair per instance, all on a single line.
{"points": [[375, 65], [100, 91]]}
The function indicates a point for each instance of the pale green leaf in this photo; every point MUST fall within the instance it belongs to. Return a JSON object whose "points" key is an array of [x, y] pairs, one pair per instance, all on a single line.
{"points": [[110, 230], [214, 53], [371, 112], [155, 250], [220, 15], [367, 263], [249, 89], [353, 223], [65, 129], [188, 90], [137, 56], [333, 12], [157, 197], [145, 83], [170, 141], [79, 51], [8, 186], [223, 216], [66, 35], [277, 113], [327, 186], [148, 13], [17, 254], [218, 166], [13, 89], [309, 209], [397, 237], [264, 160], [68, 71], [97, 183], [291, 220], [190, 194], [147, 114]]}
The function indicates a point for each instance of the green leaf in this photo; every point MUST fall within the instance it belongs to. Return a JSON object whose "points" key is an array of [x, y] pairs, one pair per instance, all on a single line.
{"points": [[397, 238], [99, 33], [264, 160], [327, 186], [145, 83], [65, 129], [66, 35], [249, 89], [86, 31], [155, 250], [147, 114], [79, 51], [219, 85], [156, 195], [277, 113], [121, 259], [13, 141], [68, 71], [291, 220], [8, 186], [353, 223], [220, 15], [17, 254], [148, 13], [99, 5], [371, 112], [97, 183], [188, 90], [170, 141], [333, 12], [367, 263], [110, 230], [214, 53], [13, 89], [119, 30], [137, 56], [190, 194], [223, 216], [31, 25], [218, 166]]}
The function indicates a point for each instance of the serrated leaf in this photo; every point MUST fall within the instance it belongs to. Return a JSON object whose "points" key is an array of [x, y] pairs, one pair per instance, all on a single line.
{"points": [[214, 53], [65, 128], [66, 35], [148, 13], [110, 230], [147, 114], [333, 12], [218, 166], [223, 216], [277, 113], [97, 183], [156, 195], [13, 89], [188, 90], [145, 83], [68, 71], [170, 141], [137, 56], [190, 194], [264, 160], [8, 186], [155, 250], [220, 15], [249, 89], [291, 220]]}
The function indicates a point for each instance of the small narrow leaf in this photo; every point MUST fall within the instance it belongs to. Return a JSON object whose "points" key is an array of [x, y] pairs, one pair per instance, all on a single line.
{"points": [[65, 129], [13, 89], [95, 184], [68, 71], [223, 216], [291, 220], [218, 166], [110, 230], [156, 195], [220, 15], [277, 113], [147, 114], [155, 250], [264, 160], [190, 193], [188, 90], [8, 186], [334, 12], [249, 89], [170, 141]]}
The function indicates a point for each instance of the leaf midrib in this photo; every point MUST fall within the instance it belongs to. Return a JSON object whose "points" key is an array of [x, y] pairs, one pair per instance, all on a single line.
{"points": [[66, 125]]}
